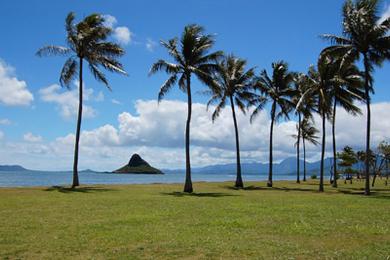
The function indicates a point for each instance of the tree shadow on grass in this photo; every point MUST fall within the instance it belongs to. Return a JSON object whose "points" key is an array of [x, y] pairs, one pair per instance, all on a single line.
{"points": [[200, 195], [376, 194], [248, 188], [256, 188], [77, 190]]}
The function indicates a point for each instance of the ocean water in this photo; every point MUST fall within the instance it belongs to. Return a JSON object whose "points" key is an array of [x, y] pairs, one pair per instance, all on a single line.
{"points": [[37, 178]]}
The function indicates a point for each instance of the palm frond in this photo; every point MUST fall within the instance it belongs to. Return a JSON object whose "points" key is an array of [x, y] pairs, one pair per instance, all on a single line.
{"points": [[52, 50], [69, 72], [168, 84], [99, 76]]}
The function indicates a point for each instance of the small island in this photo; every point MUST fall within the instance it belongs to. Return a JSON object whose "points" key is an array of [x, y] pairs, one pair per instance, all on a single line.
{"points": [[137, 165]]}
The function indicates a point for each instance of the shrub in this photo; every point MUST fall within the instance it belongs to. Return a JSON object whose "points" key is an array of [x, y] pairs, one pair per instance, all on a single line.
{"points": [[313, 176]]}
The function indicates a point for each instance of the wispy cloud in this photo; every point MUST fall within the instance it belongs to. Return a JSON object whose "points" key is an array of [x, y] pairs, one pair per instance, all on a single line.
{"points": [[5, 121], [116, 102], [109, 20], [385, 14], [150, 45], [29, 137]]}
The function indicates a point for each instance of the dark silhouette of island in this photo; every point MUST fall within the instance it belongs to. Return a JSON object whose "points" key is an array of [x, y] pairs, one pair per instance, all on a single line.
{"points": [[137, 165], [12, 168]]}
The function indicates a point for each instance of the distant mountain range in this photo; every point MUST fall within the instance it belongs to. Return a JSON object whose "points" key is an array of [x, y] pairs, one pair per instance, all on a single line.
{"points": [[285, 167]]}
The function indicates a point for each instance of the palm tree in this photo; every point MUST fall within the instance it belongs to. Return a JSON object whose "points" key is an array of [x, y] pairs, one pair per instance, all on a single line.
{"points": [[346, 88], [304, 111], [191, 57], [367, 36], [278, 90], [309, 133], [295, 99], [319, 87], [233, 84], [87, 41]]}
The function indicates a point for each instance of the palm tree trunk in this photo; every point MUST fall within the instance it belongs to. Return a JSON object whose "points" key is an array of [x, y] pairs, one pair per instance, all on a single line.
{"points": [[334, 184], [298, 141], [321, 188], [239, 182], [373, 179], [269, 183], [78, 127], [367, 92], [387, 172], [188, 181], [304, 159]]}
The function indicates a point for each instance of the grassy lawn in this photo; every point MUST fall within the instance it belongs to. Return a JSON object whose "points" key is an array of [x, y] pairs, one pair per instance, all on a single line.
{"points": [[158, 221]]}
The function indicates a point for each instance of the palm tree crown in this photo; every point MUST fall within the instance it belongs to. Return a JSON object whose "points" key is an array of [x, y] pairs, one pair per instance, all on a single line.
{"points": [[191, 56], [87, 40], [232, 81]]}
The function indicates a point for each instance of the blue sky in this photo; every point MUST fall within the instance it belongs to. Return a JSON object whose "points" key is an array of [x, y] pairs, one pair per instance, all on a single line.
{"points": [[259, 31]]}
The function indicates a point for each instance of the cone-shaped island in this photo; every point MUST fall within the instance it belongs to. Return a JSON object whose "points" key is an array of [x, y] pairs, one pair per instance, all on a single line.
{"points": [[137, 165]]}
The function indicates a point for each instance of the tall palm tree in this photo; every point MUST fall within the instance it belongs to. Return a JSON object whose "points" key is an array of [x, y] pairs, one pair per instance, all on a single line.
{"points": [[346, 88], [309, 133], [87, 41], [232, 84], [364, 34], [298, 80], [304, 112], [319, 86], [279, 91], [191, 56]]}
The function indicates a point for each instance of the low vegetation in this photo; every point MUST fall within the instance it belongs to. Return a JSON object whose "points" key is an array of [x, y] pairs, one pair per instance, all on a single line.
{"points": [[161, 222]]}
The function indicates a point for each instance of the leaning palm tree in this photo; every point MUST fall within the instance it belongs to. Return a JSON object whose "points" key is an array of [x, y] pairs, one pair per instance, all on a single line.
{"points": [[279, 91], [87, 41], [192, 57], [364, 35], [319, 87], [232, 84], [347, 87], [308, 133]]}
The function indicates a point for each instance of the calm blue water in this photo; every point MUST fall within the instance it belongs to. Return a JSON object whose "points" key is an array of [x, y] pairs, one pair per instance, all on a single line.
{"points": [[36, 178]]}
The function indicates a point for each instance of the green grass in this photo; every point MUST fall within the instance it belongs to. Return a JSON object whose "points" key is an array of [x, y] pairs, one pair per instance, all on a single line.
{"points": [[158, 221]]}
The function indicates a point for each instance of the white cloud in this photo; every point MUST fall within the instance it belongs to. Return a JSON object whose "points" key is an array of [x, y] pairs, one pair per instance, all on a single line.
{"points": [[99, 97], [150, 45], [156, 132], [13, 92], [67, 100], [116, 102], [1, 135], [123, 35], [29, 137], [110, 21], [385, 15], [5, 121]]}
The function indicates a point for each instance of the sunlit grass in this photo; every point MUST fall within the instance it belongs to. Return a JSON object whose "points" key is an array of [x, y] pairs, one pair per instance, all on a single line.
{"points": [[158, 221]]}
